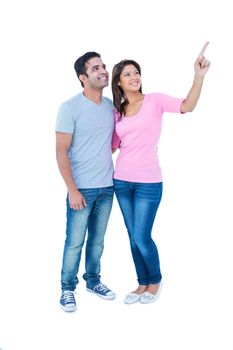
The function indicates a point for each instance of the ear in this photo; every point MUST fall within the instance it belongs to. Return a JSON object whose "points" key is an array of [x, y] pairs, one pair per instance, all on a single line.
{"points": [[83, 78]]}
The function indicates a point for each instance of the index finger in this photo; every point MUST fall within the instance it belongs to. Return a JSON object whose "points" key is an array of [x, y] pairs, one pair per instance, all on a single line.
{"points": [[203, 49]]}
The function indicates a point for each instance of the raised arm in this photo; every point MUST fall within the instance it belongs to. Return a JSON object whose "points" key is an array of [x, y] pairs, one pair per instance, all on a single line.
{"points": [[201, 67], [63, 142]]}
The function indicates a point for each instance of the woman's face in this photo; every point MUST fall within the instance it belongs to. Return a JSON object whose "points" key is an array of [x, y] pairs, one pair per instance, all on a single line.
{"points": [[130, 79]]}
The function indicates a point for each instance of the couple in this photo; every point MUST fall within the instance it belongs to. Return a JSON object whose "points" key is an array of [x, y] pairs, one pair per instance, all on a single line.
{"points": [[88, 128]]}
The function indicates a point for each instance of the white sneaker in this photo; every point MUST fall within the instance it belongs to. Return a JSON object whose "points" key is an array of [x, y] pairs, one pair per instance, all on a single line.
{"points": [[132, 298]]}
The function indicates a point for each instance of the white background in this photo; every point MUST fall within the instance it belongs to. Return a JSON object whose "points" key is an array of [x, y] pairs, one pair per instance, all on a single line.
{"points": [[40, 40]]}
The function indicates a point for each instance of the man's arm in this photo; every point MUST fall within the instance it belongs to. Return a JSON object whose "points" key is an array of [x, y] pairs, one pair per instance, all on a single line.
{"points": [[63, 142], [201, 67]]}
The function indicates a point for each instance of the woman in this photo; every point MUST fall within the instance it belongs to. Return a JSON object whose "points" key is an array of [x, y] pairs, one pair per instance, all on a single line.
{"points": [[137, 176]]}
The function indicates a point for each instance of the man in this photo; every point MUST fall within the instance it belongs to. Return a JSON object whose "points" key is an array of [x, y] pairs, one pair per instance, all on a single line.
{"points": [[83, 147]]}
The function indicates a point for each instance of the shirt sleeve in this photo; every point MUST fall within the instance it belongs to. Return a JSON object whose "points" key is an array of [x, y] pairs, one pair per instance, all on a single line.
{"points": [[115, 137], [65, 122], [170, 104]]}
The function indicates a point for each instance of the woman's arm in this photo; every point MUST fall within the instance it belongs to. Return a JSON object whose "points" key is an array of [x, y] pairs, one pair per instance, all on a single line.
{"points": [[201, 67]]}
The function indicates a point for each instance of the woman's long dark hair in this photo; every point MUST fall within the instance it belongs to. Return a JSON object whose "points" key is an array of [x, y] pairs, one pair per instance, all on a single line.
{"points": [[120, 101]]}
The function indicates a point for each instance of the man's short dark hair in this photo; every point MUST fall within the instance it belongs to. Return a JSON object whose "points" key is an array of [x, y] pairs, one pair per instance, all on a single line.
{"points": [[79, 65]]}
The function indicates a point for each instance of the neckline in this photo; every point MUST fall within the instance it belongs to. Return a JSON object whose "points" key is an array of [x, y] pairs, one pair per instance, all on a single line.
{"points": [[91, 101], [138, 112]]}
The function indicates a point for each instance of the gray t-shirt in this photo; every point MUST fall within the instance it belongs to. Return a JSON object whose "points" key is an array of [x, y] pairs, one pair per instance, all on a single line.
{"points": [[90, 152]]}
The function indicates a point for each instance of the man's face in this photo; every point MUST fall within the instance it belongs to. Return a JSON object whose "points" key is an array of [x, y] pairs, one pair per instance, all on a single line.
{"points": [[97, 76]]}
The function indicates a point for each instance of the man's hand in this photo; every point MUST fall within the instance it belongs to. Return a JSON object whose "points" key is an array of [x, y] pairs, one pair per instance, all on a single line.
{"points": [[76, 200]]}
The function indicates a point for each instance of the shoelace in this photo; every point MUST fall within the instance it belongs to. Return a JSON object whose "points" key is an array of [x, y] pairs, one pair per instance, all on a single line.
{"points": [[68, 297], [101, 287]]}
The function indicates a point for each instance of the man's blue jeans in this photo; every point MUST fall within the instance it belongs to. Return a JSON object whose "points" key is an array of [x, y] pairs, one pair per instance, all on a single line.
{"points": [[139, 203], [92, 219]]}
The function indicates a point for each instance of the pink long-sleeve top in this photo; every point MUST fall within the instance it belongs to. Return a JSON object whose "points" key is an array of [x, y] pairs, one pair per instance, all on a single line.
{"points": [[137, 138]]}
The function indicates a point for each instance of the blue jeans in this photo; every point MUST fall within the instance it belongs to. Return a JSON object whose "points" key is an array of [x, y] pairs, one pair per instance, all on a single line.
{"points": [[92, 219], [139, 203]]}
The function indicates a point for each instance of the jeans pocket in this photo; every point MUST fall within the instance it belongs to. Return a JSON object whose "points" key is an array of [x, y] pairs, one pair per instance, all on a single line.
{"points": [[120, 185], [89, 194]]}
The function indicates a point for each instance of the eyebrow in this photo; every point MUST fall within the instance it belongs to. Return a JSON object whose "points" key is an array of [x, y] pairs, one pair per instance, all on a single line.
{"points": [[129, 71], [97, 66]]}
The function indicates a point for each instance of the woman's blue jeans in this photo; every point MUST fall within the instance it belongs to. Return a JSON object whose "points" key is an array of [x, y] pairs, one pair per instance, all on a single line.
{"points": [[139, 203], [92, 219]]}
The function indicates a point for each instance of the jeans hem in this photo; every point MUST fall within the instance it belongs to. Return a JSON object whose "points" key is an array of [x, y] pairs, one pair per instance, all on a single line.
{"points": [[70, 289], [149, 282]]}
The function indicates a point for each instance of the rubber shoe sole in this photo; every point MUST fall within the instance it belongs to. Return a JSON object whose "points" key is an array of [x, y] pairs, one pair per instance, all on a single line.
{"points": [[68, 309], [106, 297]]}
